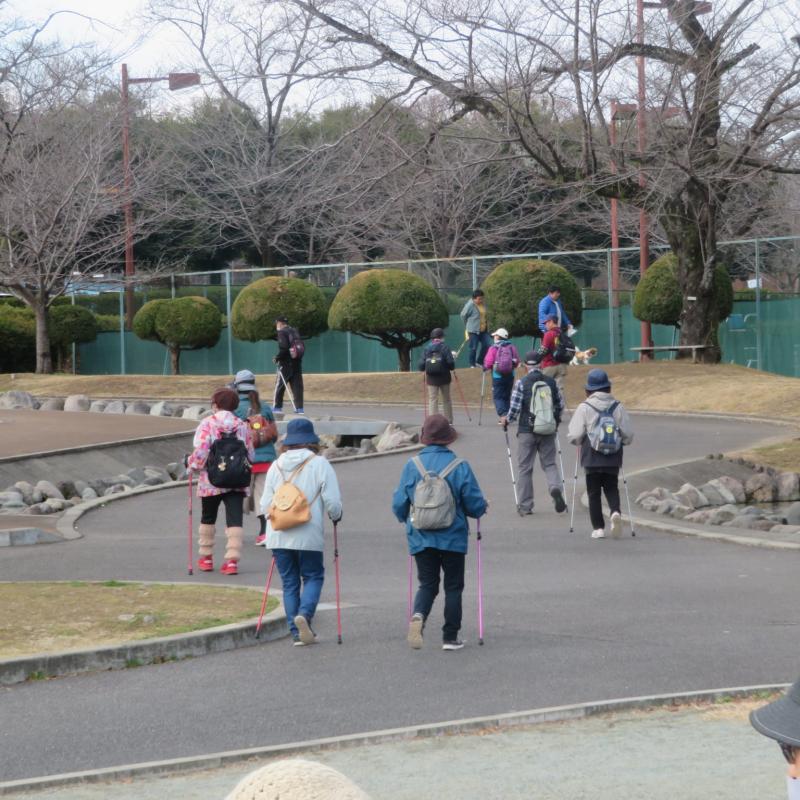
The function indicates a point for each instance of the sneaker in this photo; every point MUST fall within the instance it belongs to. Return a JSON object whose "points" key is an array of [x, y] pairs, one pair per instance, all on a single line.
{"points": [[558, 499], [599, 534], [300, 411], [415, 627], [229, 567], [456, 644], [305, 634], [205, 564], [524, 512], [616, 525], [260, 539], [277, 412]]}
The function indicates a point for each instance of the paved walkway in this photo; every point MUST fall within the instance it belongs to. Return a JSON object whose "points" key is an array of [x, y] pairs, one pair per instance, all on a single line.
{"points": [[568, 619]]}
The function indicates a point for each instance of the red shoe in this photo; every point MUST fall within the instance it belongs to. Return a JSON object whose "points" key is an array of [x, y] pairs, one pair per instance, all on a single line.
{"points": [[260, 539], [229, 568], [205, 564]]}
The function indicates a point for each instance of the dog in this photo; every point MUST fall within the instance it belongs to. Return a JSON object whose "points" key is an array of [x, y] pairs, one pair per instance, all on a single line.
{"points": [[583, 356]]}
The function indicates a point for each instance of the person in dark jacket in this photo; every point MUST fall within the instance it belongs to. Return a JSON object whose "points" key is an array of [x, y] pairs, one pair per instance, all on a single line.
{"points": [[290, 370], [529, 442], [602, 470], [440, 552], [437, 363], [250, 405]]}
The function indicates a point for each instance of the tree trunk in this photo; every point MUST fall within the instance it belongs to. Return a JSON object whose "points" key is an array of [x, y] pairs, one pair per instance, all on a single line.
{"points": [[175, 360], [404, 356], [44, 358]]}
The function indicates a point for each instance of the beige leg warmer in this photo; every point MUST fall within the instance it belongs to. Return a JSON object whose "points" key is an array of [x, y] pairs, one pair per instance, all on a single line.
{"points": [[206, 535], [233, 551]]}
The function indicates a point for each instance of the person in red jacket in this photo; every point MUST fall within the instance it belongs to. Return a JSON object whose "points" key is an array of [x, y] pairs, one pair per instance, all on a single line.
{"points": [[546, 354]]}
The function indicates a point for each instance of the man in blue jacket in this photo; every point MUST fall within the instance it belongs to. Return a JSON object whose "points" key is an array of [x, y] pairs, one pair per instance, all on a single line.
{"points": [[441, 551], [551, 306]]}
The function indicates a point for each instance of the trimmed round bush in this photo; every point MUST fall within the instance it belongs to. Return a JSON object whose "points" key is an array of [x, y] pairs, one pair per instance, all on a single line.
{"points": [[513, 291], [18, 335], [71, 324], [658, 298], [392, 306], [144, 322], [259, 304]]}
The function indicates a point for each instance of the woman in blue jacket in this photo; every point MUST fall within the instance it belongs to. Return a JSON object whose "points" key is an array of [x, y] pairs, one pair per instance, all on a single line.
{"points": [[440, 552]]}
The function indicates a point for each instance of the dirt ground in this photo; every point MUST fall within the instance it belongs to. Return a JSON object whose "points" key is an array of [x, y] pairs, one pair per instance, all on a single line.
{"points": [[58, 617]]}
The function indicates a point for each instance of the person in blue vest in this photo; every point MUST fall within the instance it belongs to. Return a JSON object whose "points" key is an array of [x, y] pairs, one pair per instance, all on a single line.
{"points": [[551, 306], [439, 554]]}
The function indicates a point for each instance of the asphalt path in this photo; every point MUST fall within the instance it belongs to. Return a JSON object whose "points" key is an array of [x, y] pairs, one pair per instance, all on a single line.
{"points": [[568, 619]]}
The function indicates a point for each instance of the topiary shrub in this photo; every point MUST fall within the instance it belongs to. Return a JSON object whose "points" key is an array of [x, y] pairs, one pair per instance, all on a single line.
{"points": [[391, 306], [186, 323], [513, 291], [658, 298], [107, 323], [18, 337], [70, 325], [259, 304]]}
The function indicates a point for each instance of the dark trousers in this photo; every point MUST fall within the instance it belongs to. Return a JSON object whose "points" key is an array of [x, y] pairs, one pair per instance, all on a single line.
{"points": [[293, 375], [502, 387], [430, 562], [234, 502], [479, 344], [607, 483]]}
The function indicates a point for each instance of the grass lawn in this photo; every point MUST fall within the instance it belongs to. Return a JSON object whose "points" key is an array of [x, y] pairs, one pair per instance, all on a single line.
{"points": [[77, 615], [784, 456]]}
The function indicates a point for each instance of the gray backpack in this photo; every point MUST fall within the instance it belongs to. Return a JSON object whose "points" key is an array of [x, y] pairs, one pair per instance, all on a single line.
{"points": [[433, 507], [543, 420]]}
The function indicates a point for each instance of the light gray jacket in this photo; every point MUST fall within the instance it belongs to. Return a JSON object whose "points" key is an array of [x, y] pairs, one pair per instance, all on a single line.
{"points": [[584, 419], [471, 317]]}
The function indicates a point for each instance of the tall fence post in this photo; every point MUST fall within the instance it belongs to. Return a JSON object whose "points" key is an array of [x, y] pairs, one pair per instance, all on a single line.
{"points": [[758, 304], [121, 332], [74, 346], [172, 285], [228, 313], [611, 343], [474, 273], [348, 336]]}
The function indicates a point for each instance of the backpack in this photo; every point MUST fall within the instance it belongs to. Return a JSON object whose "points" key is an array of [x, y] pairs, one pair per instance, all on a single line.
{"points": [[565, 349], [433, 507], [605, 436], [543, 420], [297, 347], [435, 364], [227, 465], [504, 360], [262, 430], [290, 507]]}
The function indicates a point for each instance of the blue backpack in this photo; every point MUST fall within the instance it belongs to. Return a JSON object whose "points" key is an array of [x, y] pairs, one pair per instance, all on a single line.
{"points": [[604, 436]]}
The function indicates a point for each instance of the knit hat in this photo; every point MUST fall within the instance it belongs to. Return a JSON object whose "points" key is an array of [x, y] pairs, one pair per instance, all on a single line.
{"points": [[300, 431], [780, 720], [437, 430], [597, 381], [437, 333], [244, 381]]}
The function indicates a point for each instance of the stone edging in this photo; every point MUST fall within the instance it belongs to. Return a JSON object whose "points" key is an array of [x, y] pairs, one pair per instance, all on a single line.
{"points": [[510, 720]]}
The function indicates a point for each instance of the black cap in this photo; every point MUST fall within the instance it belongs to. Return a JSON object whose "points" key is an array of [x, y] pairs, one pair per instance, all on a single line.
{"points": [[437, 333], [532, 358], [282, 319], [780, 720]]}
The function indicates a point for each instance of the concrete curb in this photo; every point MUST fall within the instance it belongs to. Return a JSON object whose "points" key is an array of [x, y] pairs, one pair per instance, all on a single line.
{"points": [[498, 721]]}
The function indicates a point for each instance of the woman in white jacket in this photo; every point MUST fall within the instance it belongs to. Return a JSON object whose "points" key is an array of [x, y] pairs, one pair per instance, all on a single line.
{"points": [[298, 551]]}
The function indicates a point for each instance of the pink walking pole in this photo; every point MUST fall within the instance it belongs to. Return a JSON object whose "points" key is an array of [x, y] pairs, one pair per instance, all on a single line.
{"points": [[410, 587], [191, 547], [266, 594], [338, 594], [480, 586]]}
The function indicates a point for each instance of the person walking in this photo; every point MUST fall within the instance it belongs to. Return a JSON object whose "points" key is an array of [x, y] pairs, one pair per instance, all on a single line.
{"points": [[252, 410], [536, 401], [601, 427], [502, 359], [546, 354], [437, 363], [473, 315], [290, 366], [551, 306], [298, 550], [439, 553], [222, 424]]}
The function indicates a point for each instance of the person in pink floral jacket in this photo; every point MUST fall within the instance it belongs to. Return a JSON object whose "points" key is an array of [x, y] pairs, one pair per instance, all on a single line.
{"points": [[223, 403]]}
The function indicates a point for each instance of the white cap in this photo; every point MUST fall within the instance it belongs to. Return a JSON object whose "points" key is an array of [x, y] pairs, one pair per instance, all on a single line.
{"points": [[501, 332]]}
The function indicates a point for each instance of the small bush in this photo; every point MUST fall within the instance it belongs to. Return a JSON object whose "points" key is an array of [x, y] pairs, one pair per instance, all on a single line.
{"points": [[18, 337], [107, 323]]}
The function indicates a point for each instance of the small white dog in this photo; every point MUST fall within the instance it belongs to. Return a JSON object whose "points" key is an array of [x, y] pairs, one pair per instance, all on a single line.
{"points": [[583, 356]]}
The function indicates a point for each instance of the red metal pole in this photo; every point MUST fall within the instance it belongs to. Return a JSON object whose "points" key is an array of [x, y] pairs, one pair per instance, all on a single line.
{"points": [[614, 217], [127, 201]]}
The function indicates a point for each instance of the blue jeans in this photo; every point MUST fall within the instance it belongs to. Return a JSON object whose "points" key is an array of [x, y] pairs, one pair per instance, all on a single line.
{"points": [[502, 387], [296, 566], [479, 344]]}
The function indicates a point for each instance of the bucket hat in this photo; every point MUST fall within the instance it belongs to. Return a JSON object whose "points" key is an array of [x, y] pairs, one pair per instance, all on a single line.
{"points": [[597, 380], [244, 381], [437, 333], [780, 720], [300, 431], [501, 332], [437, 430]]}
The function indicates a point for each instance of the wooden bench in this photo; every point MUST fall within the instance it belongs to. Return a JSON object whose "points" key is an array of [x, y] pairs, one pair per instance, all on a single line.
{"points": [[672, 348]]}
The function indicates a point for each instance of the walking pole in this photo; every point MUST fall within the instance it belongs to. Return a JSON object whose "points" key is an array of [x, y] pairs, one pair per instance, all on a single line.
{"points": [[266, 594], [511, 467], [425, 397], [561, 465], [483, 389], [338, 590], [410, 586], [574, 489], [191, 548], [628, 498], [480, 585], [461, 392], [286, 387]]}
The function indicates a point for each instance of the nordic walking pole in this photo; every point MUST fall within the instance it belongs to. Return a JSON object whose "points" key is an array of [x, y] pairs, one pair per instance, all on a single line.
{"points": [[483, 389], [461, 392], [425, 396], [480, 585], [338, 589], [574, 489], [561, 465], [266, 595], [410, 585], [511, 467], [191, 547], [286, 387], [628, 498]]}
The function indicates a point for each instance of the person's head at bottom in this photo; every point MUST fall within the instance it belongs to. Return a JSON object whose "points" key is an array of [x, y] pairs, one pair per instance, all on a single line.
{"points": [[437, 430], [780, 720]]}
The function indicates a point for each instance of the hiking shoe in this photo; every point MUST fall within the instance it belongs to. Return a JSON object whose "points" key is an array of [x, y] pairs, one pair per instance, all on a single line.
{"points": [[599, 534], [558, 499], [205, 564], [415, 627], [277, 412], [304, 632], [300, 411], [524, 512], [260, 539], [455, 644], [229, 567], [616, 525]]}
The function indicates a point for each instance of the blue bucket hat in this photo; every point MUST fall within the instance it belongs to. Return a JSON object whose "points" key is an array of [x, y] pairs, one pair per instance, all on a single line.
{"points": [[300, 431], [244, 381], [597, 380]]}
